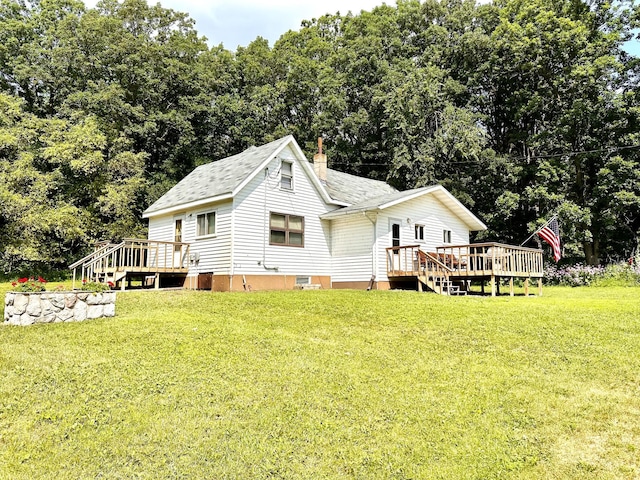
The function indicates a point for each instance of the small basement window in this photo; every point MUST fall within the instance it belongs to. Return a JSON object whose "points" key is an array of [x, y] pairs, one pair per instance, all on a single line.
{"points": [[287, 230], [206, 224], [303, 280], [446, 236], [419, 232], [286, 176]]}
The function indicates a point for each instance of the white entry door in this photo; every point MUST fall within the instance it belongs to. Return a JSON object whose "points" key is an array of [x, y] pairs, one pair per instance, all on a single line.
{"points": [[395, 227], [178, 223]]}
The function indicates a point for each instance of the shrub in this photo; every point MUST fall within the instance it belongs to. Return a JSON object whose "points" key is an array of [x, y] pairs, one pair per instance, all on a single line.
{"points": [[30, 284], [579, 275], [620, 274], [96, 286]]}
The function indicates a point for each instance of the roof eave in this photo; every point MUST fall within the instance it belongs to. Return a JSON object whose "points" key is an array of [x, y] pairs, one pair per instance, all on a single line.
{"points": [[187, 206], [339, 213]]}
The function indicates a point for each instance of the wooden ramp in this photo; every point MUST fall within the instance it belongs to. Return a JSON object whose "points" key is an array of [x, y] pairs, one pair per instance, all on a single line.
{"points": [[151, 262], [450, 269]]}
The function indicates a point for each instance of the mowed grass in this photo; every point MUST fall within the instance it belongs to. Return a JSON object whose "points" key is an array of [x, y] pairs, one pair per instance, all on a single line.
{"points": [[328, 384]]}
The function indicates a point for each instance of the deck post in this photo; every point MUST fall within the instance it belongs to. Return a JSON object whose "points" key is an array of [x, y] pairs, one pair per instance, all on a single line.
{"points": [[511, 286], [493, 285], [156, 283], [540, 286], [526, 287], [419, 285]]}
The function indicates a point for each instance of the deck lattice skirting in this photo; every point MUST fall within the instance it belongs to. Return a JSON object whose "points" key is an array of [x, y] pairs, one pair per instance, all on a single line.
{"points": [[21, 308]]}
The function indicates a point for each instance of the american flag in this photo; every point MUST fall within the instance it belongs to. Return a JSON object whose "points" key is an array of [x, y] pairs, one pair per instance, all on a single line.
{"points": [[550, 233]]}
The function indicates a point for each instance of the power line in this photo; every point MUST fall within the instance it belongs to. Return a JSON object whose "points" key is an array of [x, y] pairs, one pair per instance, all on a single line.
{"points": [[609, 150]]}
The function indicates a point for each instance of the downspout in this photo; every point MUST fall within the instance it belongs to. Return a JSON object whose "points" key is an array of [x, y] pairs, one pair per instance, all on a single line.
{"points": [[263, 262], [374, 256], [233, 233]]}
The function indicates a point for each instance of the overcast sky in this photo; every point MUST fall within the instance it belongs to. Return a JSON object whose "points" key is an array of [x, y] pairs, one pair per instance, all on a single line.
{"points": [[238, 22]]}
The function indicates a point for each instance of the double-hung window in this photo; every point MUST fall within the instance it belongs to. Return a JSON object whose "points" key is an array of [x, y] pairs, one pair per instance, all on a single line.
{"points": [[419, 229], [286, 176], [206, 224], [286, 230], [446, 236]]}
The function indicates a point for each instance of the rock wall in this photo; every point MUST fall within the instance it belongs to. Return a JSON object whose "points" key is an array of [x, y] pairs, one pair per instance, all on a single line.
{"points": [[48, 307]]}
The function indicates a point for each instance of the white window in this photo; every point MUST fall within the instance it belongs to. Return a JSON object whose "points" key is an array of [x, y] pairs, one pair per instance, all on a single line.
{"points": [[206, 224], [286, 230], [419, 232], [446, 236], [286, 176]]}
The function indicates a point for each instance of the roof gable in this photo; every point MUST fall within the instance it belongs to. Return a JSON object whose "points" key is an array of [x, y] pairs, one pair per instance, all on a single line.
{"points": [[216, 180], [385, 201], [222, 179]]}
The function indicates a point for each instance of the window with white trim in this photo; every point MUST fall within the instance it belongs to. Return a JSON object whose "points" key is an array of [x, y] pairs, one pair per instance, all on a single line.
{"points": [[446, 236], [287, 230], [419, 229], [206, 224], [286, 176]]}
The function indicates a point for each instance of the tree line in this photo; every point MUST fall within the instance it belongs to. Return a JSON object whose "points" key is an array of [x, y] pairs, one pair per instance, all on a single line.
{"points": [[521, 108]]}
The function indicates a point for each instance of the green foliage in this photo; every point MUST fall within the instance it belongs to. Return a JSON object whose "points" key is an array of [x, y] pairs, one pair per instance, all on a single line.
{"points": [[521, 109], [95, 286], [30, 284], [328, 384]]}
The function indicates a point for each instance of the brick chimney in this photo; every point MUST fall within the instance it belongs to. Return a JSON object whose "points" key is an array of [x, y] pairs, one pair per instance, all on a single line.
{"points": [[320, 163]]}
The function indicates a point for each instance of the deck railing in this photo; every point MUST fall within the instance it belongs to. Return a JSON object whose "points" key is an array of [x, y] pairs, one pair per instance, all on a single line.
{"points": [[492, 259], [474, 260], [134, 255], [412, 261]]}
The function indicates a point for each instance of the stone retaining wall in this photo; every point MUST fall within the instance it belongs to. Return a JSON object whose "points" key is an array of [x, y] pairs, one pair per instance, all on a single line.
{"points": [[47, 307]]}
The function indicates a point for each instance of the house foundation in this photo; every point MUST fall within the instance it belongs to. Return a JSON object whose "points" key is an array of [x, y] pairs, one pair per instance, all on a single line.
{"points": [[252, 283]]}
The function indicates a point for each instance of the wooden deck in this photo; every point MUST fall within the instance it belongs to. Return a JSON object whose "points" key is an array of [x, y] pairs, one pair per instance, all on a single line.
{"points": [[133, 258], [450, 268]]}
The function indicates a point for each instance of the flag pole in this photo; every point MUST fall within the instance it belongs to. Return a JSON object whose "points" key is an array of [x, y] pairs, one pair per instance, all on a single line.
{"points": [[534, 233]]}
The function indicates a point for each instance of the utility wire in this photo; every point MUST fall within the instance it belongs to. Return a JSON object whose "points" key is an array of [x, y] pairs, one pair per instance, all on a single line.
{"points": [[532, 157]]}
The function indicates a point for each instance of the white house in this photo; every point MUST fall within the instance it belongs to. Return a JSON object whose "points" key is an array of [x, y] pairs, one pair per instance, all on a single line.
{"points": [[267, 218]]}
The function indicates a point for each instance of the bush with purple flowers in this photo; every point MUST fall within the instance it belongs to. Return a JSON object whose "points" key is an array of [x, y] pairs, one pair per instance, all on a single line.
{"points": [[579, 275]]}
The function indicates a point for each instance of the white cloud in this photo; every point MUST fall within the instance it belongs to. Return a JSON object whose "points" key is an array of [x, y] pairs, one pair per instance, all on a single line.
{"points": [[241, 21]]}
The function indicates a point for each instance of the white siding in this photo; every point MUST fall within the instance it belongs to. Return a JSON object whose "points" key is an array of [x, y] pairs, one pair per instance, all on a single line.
{"points": [[252, 206], [352, 239], [214, 251], [427, 211], [161, 228]]}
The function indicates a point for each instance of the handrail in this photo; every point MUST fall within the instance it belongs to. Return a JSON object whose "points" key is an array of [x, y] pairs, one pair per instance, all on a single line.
{"points": [[436, 261], [114, 248], [146, 240], [87, 257]]}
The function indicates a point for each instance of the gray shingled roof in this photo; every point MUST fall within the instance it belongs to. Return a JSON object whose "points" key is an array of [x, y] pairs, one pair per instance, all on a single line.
{"points": [[373, 203], [350, 189], [222, 177], [383, 201], [216, 178]]}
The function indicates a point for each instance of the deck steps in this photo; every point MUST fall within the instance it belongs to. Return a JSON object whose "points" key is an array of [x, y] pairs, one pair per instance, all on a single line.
{"points": [[442, 285]]}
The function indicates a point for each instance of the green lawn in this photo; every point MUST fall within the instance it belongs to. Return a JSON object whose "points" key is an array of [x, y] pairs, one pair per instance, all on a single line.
{"points": [[328, 384]]}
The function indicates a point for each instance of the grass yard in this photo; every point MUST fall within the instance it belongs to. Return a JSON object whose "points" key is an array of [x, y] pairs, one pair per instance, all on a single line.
{"points": [[328, 384]]}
